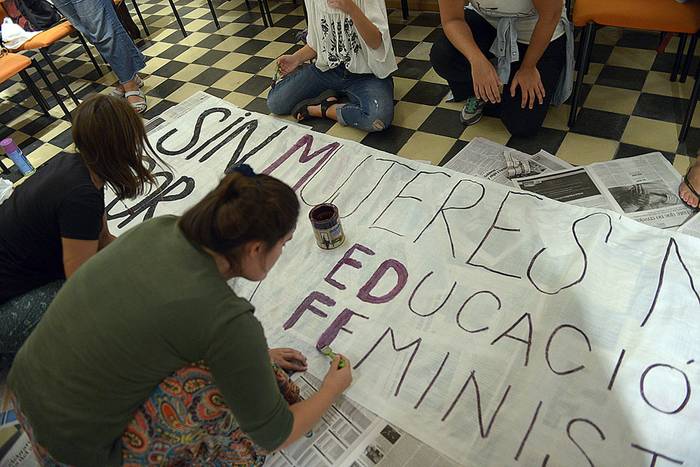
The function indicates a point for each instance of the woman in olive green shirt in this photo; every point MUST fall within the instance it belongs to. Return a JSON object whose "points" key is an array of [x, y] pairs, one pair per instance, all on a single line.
{"points": [[107, 378]]}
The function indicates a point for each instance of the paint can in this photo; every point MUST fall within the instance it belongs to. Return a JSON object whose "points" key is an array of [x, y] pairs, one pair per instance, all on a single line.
{"points": [[325, 221]]}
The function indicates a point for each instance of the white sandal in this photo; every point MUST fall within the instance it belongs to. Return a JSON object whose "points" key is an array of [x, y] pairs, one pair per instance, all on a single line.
{"points": [[118, 93], [139, 107]]}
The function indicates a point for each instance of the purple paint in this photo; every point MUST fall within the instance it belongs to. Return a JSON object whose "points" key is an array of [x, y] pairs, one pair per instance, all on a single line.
{"points": [[305, 142], [365, 293], [347, 259], [336, 326], [307, 304]]}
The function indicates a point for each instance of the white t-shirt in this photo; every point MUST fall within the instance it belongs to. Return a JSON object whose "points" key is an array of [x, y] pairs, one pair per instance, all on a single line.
{"points": [[332, 34], [524, 10]]}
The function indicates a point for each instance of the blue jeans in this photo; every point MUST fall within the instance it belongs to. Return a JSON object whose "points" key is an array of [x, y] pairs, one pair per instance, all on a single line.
{"points": [[98, 22], [20, 315], [370, 105]]}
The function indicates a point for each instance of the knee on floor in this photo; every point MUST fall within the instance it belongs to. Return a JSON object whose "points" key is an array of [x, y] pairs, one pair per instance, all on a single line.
{"points": [[276, 105]]}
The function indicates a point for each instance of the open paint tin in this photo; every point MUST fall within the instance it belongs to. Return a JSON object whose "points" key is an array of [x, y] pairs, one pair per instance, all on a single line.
{"points": [[325, 221]]}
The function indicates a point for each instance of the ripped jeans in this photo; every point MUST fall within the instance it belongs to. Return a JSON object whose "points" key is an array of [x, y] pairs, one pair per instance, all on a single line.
{"points": [[368, 101]]}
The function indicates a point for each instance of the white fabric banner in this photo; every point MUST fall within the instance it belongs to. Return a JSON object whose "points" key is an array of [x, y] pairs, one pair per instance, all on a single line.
{"points": [[498, 326]]}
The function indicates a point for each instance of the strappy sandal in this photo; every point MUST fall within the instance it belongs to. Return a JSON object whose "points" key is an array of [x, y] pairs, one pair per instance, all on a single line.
{"points": [[692, 189], [301, 110], [117, 93], [141, 106]]}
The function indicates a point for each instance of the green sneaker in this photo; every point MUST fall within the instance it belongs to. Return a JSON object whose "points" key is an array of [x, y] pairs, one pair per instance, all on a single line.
{"points": [[471, 113]]}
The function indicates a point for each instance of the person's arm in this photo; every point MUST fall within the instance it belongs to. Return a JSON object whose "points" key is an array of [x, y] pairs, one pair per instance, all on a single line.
{"points": [[289, 63], [80, 218], [76, 252], [308, 412], [105, 236], [369, 32], [528, 77], [240, 363], [486, 81]]}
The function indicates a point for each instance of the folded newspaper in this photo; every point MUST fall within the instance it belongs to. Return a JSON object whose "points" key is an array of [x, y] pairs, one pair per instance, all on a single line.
{"points": [[644, 188]]}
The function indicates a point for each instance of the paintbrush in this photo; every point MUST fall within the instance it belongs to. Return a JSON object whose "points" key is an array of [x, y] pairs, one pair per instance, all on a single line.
{"points": [[330, 354]]}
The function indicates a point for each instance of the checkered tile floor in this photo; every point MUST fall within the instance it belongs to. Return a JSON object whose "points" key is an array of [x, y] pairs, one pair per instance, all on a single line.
{"points": [[630, 106]]}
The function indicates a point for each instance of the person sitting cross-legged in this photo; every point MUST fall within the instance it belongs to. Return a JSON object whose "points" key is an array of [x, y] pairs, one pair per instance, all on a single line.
{"points": [[350, 79]]}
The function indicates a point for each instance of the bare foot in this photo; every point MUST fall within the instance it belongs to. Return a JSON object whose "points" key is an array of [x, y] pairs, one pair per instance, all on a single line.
{"points": [[686, 192]]}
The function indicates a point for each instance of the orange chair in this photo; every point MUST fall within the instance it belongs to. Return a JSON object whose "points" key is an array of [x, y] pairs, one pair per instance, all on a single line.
{"points": [[13, 64], [45, 39], [656, 15]]}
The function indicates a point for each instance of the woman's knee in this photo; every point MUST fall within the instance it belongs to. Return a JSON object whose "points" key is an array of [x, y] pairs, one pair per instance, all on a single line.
{"points": [[276, 102], [441, 54], [379, 118]]}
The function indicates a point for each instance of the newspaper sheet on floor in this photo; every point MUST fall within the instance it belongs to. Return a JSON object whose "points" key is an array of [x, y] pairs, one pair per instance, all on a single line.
{"points": [[349, 435], [486, 159], [644, 188], [691, 226], [15, 448], [574, 186]]}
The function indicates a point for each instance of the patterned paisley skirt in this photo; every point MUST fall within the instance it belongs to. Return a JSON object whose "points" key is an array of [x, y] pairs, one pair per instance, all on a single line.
{"points": [[185, 421]]}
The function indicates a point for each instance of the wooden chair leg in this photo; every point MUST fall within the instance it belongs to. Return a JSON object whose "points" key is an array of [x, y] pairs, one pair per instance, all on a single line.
{"points": [[691, 107], [59, 75], [143, 22], [177, 17], [35, 92], [89, 53], [588, 38], [51, 89], [689, 58], [679, 56]]}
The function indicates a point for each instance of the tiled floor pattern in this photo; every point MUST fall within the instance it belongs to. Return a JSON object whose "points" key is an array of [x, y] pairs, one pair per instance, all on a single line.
{"points": [[630, 105]]}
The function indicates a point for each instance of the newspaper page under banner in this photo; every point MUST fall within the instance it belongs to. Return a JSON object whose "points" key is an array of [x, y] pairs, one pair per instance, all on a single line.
{"points": [[486, 159], [349, 435], [15, 448], [691, 226], [644, 188], [574, 186]]}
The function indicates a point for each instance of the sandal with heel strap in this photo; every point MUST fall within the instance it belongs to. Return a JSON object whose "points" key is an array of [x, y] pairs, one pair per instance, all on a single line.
{"points": [[301, 110], [141, 106], [692, 189], [117, 93]]}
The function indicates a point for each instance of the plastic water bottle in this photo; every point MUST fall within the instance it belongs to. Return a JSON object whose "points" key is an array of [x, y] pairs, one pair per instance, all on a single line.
{"points": [[13, 152]]}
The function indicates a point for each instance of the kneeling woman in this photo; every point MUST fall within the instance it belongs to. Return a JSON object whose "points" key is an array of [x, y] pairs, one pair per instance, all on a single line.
{"points": [[55, 220], [349, 81], [147, 357]]}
